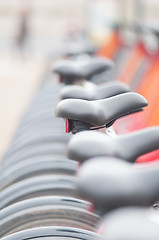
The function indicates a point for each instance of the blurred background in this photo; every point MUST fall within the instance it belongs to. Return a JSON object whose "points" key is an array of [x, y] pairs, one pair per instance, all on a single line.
{"points": [[34, 33]]}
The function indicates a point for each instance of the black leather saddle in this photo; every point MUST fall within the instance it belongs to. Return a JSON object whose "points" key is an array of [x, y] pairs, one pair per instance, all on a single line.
{"points": [[115, 183], [97, 92], [131, 223], [128, 147], [71, 71], [83, 114], [75, 49], [154, 29]]}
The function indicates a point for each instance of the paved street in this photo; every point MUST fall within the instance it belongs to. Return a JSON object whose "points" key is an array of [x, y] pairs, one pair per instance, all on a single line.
{"points": [[18, 83]]}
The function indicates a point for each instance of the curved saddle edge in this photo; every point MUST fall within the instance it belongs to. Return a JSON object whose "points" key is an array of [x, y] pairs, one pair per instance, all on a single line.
{"points": [[122, 104], [112, 88], [139, 142]]}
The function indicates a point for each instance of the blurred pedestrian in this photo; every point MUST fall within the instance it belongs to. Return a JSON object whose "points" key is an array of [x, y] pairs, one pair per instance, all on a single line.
{"points": [[22, 31]]}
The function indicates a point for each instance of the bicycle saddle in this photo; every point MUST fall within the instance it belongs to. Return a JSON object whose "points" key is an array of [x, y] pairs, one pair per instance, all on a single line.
{"points": [[86, 114], [114, 183], [153, 29], [97, 92], [75, 49], [129, 146], [130, 223], [79, 70]]}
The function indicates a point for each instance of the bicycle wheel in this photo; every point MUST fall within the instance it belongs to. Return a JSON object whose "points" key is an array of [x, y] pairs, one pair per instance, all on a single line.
{"points": [[51, 215], [38, 186], [33, 167], [54, 233]]}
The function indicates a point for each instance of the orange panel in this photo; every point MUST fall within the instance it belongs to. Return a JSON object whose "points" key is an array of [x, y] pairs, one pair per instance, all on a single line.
{"points": [[138, 53], [110, 49], [149, 89]]}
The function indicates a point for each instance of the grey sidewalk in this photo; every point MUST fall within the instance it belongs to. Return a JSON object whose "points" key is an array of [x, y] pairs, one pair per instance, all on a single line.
{"points": [[18, 83]]}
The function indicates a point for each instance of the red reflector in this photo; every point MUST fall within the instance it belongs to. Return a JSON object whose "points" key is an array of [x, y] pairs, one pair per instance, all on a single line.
{"points": [[66, 125], [91, 207], [59, 79], [100, 229], [79, 164]]}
